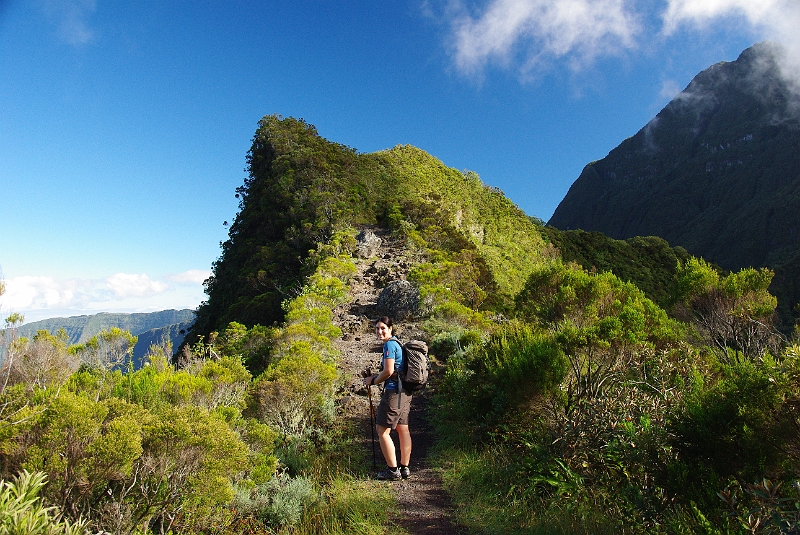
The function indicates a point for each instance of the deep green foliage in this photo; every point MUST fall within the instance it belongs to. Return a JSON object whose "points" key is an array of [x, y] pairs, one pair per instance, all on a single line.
{"points": [[510, 369], [638, 432], [649, 263], [735, 427], [155, 446]]}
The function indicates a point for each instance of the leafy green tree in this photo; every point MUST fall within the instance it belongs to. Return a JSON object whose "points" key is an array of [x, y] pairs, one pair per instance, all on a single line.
{"points": [[295, 395], [732, 313], [601, 323], [109, 349]]}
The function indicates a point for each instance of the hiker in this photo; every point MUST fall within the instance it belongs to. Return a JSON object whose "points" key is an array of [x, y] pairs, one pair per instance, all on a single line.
{"points": [[392, 413]]}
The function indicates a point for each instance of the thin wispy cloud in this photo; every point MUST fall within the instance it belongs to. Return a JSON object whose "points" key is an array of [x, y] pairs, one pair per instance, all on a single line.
{"points": [[71, 18], [193, 276], [669, 88], [530, 33]]}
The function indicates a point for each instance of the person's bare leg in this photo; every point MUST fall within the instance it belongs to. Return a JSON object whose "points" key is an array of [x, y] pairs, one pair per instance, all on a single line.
{"points": [[387, 446], [405, 444]]}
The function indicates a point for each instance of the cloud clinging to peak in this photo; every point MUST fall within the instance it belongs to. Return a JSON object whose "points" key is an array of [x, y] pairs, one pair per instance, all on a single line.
{"points": [[775, 20]]}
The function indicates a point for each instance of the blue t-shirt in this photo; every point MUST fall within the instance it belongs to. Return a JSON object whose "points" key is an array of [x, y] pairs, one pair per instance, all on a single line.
{"points": [[392, 350]]}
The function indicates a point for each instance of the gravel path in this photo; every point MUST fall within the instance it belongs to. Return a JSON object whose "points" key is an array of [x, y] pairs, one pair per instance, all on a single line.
{"points": [[425, 507]]}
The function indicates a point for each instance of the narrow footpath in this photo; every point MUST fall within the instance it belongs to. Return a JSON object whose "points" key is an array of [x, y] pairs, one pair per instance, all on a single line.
{"points": [[424, 506]]}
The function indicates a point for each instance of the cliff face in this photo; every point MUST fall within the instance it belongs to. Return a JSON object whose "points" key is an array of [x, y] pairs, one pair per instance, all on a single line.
{"points": [[717, 171]]}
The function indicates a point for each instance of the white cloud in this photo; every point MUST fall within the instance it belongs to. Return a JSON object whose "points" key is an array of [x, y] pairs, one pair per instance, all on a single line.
{"points": [[775, 20], [71, 18], [46, 292], [701, 12], [669, 88], [540, 30], [131, 285], [193, 276], [531, 35], [46, 297]]}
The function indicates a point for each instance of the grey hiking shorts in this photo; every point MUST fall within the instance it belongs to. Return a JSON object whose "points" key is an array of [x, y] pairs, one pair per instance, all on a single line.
{"points": [[388, 414]]}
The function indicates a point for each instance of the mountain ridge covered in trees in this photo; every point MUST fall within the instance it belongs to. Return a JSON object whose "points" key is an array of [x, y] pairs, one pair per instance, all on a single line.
{"points": [[302, 189]]}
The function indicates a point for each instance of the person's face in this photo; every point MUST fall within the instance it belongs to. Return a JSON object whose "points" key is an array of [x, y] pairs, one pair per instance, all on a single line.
{"points": [[383, 331]]}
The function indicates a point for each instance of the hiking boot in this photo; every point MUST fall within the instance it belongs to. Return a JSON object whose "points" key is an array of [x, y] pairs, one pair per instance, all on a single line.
{"points": [[389, 474], [404, 472]]}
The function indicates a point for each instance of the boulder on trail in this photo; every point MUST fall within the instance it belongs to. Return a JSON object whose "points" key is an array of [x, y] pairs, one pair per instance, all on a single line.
{"points": [[399, 300], [368, 244]]}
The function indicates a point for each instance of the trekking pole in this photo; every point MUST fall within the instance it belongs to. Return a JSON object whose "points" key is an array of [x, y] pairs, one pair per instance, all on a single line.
{"points": [[372, 424]]}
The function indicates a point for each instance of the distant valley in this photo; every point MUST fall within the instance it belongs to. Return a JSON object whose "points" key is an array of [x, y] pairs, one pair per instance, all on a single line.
{"points": [[151, 328]]}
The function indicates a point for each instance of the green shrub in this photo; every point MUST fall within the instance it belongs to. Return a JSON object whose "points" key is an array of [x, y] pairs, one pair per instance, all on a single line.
{"points": [[732, 427], [278, 502]]}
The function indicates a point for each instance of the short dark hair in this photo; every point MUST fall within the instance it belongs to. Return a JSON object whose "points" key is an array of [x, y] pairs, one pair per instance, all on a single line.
{"points": [[386, 320]]}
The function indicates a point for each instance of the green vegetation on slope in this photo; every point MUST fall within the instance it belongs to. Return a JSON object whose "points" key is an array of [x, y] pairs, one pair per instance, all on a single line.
{"points": [[203, 449], [595, 412], [302, 189], [582, 407], [650, 263]]}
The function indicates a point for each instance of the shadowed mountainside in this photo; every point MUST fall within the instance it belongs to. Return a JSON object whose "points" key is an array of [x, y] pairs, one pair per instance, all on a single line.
{"points": [[717, 172]]}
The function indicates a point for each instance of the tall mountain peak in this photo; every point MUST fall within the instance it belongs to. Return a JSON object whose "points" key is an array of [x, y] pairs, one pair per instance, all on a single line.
{"points": [[717, 172]]}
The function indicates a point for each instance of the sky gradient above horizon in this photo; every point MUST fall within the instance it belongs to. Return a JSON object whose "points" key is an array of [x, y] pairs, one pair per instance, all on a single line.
{"points": [[124, 126]]}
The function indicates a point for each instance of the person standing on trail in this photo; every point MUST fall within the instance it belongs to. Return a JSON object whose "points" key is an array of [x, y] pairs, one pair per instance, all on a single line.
{"points": [[392, 412]]}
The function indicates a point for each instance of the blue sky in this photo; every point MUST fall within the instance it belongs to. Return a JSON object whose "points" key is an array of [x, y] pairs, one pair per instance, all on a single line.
{"points": [[124, 125]]}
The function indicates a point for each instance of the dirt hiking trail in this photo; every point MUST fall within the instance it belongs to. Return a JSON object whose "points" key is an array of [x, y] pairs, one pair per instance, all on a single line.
{"points": [[424, 506]]}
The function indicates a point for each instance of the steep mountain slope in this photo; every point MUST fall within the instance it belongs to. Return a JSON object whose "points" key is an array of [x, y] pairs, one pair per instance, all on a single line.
{"points": [[302, 189], [717, 171]]}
